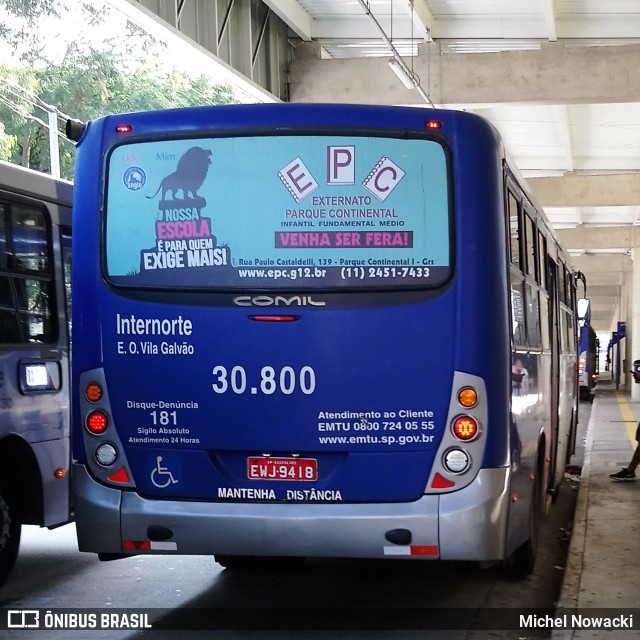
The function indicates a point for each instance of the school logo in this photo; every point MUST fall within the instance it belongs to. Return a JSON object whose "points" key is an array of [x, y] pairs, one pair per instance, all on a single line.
{"points": [[134, 178]]}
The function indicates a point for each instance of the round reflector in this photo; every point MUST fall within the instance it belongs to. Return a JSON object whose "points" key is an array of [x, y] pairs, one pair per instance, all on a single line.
{"points": [[456, 461], [106, 454], [93, 392], [465, 428], [97, 422]]}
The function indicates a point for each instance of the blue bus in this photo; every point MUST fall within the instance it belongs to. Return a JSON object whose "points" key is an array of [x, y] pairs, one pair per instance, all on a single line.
{"points": [[313, 331], [587, 351], [35, 294]]}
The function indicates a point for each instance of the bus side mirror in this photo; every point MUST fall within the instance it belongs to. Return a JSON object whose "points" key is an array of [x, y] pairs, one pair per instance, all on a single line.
{"points": [[74, 129]]}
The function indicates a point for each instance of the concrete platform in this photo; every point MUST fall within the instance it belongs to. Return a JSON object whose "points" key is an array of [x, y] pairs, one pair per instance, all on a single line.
{"points": [[603, 564]]}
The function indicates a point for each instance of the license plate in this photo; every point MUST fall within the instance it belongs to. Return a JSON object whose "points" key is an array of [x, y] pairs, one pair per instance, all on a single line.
{"points": [[293, 469]]}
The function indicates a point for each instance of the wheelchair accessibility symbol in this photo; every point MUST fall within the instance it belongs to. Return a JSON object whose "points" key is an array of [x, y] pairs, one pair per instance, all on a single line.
{"points": [[161, 476]]}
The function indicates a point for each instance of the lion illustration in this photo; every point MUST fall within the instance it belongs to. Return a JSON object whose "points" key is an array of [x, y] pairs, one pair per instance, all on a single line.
{"points": [[189, 175]]}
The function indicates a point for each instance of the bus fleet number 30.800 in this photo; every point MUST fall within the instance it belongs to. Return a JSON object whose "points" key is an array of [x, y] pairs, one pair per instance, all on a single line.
{"points": [[287, 380]]}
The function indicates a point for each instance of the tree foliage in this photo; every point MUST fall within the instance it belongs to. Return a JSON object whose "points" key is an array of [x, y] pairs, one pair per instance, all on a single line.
{"points": [[89, 79]]}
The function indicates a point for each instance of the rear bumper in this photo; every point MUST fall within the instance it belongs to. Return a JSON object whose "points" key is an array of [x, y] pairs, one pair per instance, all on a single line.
{"points": [[469, 524]]}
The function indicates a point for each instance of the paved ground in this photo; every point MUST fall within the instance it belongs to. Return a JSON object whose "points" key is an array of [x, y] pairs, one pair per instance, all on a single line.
{"points": [[602, 576]]}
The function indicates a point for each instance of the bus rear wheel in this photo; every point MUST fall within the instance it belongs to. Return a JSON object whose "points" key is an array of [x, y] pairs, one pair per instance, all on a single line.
{"points": [[9, 540], [254, 562], [524, 557]]}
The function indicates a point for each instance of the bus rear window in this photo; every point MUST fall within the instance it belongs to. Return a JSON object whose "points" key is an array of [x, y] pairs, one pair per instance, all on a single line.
{"points": [[278, 212]]}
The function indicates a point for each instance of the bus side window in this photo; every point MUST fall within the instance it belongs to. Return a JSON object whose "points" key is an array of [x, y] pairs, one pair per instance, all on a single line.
{"points": [[4, 248], [542, 259], [531, 268], [564, 324], [545, 336], [65, 243], [25, 280], [514, 228], [518, 311], [571, 333], [534, 336], [562, 275], [571, 293], [571, 304], [534, 333], [34, 307], [9, 331], [31, 255], [518, 265]]}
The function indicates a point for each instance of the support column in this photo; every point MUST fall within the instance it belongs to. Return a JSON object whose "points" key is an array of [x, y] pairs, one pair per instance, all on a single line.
{"points": [[623, 313], [633, 322]]}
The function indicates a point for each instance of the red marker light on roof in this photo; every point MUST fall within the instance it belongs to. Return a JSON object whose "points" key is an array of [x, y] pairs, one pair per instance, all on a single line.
{"points": [[123, 128], [433, 124]]}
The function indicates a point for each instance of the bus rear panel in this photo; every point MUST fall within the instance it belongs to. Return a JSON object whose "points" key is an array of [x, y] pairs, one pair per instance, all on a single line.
{"points": [[295, 336]]}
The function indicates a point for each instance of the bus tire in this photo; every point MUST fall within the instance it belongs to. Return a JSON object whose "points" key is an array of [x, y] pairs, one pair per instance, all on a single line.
{"points": [[9, 540], [524, 557], [254, 562], [236, 562]]}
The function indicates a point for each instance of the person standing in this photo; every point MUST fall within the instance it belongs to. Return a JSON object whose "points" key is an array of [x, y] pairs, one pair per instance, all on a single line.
{"points": [[628, 473]]}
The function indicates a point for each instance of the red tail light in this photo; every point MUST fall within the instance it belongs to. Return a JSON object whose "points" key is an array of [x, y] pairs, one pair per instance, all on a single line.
{"points": [[465, 428], [97, 422]]}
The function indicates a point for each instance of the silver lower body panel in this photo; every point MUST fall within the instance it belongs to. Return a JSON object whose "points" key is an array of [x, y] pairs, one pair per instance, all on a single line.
{"points": [[469, 524]]}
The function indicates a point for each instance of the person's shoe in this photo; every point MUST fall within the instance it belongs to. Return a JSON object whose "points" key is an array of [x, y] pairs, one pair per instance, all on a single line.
{"points": [[623, 474]]}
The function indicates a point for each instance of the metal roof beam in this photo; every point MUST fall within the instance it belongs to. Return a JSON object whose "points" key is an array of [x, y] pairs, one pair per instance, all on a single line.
{"points": [[422, 16], [298, 19], [549, 10]]}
